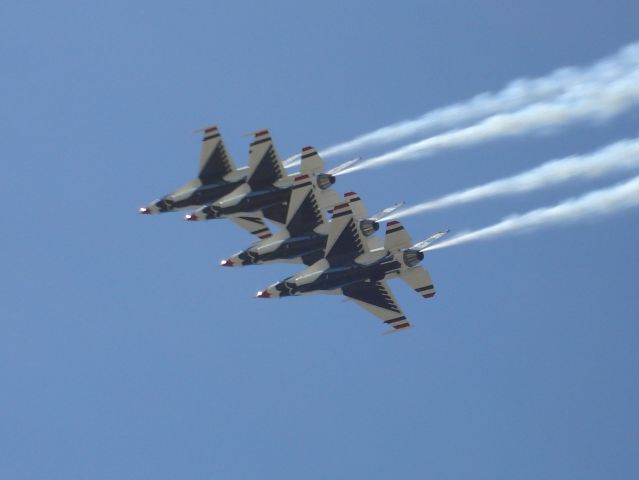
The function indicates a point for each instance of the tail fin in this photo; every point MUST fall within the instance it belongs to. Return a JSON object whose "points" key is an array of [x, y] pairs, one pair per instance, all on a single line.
{"points": [[311, 161], [397, 237], [312, 166], [215, 160], [357, 206], [265, 166], [304, 214], [344, 239], [366, 226]]}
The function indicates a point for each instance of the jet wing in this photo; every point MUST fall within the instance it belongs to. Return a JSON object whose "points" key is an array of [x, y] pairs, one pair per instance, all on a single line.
{"points": [[265, 166], [345, 241], [254, 224], [215, 160], [377, 298], [277, 213]]}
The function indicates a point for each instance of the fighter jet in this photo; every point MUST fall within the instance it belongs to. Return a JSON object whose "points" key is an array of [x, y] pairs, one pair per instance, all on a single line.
{"points": [[217, 177], [267, 189], [303, 238], [356, 269]]}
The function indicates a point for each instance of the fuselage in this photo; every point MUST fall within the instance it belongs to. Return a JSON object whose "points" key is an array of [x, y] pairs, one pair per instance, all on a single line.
{"points": [[338, 276], [193, 197], [281, 250], [249, 202]]}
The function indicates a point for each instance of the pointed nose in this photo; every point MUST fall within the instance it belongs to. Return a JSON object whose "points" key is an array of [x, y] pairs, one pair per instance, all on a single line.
{"points": [[191, 217], [263, 294], [144, 211], [226, 263]]}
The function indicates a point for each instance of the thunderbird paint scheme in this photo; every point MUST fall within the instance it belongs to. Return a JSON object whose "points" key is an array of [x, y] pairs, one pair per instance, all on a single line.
{"points": [[218, 176], [343, 256], [267, 189], [351, 266], [303, 238]]}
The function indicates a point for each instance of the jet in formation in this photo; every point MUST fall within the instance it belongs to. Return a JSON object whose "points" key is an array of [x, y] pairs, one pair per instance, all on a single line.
{"points": [[342, 256], [245, 195], [354, 266]]}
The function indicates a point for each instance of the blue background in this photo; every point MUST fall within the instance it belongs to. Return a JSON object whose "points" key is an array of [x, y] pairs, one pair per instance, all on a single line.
{"points": [[125, 352]]}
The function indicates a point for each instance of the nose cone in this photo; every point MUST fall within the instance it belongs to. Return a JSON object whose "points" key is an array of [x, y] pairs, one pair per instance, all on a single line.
{"points": [[156, 206], [149, 209], [227, 263], [270, 292], [191, 217], [233, 261]]}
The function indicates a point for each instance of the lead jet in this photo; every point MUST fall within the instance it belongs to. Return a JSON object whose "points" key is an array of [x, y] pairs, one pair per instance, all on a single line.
{"points": [[217, 176], [267, 189], [355, 268], [303, 238]]}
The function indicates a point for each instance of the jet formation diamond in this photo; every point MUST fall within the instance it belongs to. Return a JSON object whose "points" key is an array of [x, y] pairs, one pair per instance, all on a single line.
{"points": [[300, 218]]}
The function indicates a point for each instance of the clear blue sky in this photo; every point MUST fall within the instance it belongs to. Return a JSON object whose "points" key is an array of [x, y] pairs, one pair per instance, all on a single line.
{"points": [[125, 352]]}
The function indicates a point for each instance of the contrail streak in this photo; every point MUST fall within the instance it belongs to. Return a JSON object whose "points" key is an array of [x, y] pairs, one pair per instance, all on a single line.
{"points": [[597, 203], [513, 96], [619, 156], [593, 101]]}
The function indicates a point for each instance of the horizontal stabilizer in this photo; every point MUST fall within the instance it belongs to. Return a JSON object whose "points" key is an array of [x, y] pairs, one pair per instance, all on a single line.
{"points": [[419, 280]]}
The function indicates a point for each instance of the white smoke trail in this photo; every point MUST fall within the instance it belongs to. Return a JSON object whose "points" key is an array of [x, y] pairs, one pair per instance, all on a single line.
{"points": [[589, 102], [515, 95], [619, 156], [597, 203]]}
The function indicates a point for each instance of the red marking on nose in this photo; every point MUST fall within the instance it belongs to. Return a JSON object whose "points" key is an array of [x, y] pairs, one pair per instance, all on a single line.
{"points": [[263, 294]]}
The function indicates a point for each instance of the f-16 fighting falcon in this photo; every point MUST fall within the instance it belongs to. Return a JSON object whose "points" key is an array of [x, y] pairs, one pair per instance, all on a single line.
{"points": [[267, 189], [217, 177], [304, 236], [353, 267]]}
